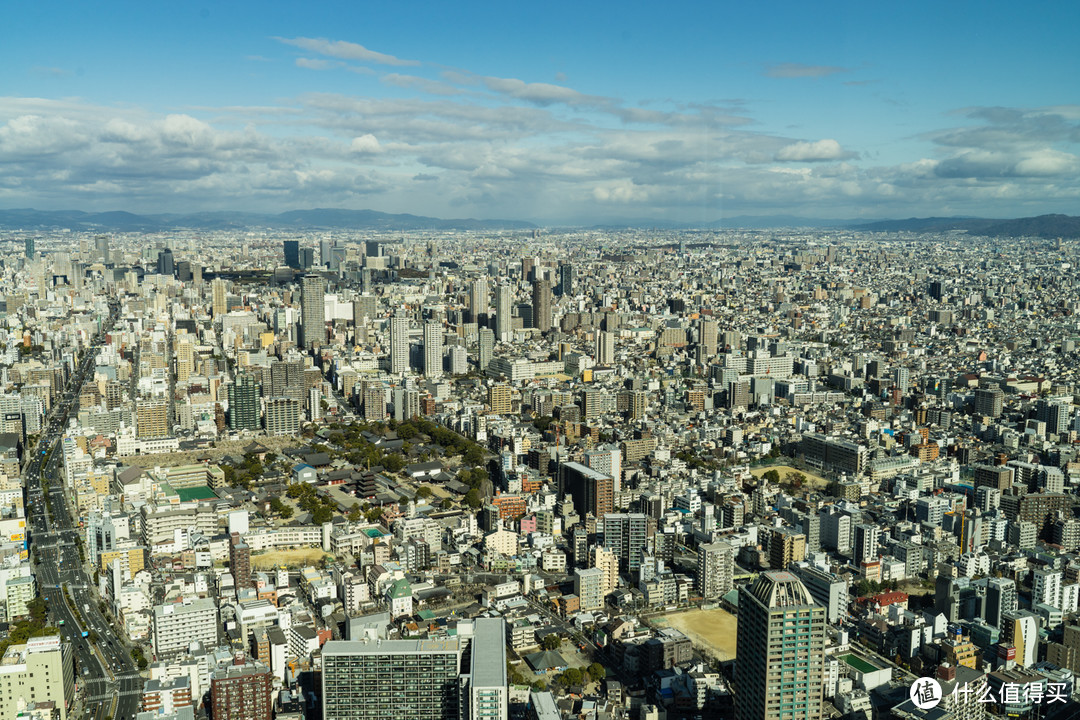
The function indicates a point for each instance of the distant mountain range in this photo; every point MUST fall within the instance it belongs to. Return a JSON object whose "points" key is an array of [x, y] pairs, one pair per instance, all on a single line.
{"points": [[749, 222], [318, 218], [1043, 226]]}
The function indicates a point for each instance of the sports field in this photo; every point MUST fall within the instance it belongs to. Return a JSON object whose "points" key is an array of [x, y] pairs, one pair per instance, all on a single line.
{"points": [[711, 631], [198, 492]]}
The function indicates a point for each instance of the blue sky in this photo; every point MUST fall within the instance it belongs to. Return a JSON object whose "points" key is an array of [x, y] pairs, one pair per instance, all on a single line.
{"points": [[553, 112]]}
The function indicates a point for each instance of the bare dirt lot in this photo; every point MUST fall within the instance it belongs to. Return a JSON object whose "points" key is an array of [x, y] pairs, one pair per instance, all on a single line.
{"points": [[812, 481], [298, 557], [711, 631], [220, 449]]}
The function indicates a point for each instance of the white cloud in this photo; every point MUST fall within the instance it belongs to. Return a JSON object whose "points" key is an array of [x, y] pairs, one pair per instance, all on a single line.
{"points": [[542, 93], [507, 148], [37, 134], [817, 151], [365, 144], [620, 192], [983, 164], [1047, 163], [313, 64], [344, 50]]}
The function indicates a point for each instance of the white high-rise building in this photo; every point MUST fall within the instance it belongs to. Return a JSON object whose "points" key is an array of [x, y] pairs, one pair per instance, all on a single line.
{"points": [[588, 586], [459, 360], [177, 625], [478, 299], [399, 345], [486, 348], [433, 350], [605, 348], [1046, 588], [607, 460], [715, 569], [503, 324]]}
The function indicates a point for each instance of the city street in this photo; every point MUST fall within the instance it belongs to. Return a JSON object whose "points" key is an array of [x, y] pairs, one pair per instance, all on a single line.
{"points": [[108, 681]]}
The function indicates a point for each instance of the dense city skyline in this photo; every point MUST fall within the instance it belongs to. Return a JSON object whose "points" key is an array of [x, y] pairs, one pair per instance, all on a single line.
{"points": [[553, 115]]}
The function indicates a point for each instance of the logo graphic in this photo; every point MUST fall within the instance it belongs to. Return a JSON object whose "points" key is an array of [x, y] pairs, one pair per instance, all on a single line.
{"points": [[925, 693]]}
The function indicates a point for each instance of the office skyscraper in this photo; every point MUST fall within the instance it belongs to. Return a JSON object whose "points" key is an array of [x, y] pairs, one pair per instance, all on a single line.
{"points": [[165, 262], [313, 318], [542, 305], [102, 245], [244, 403], [433, 349], [399, 345], [292, 254], [780, 649], [504, 327], [567, 280], [28, 247]]}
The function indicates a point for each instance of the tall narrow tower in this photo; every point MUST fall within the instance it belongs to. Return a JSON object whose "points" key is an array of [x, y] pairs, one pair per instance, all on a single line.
{"points": [[433, 349], [478, 299], [503, 324], [542, 305], [399, 345], [218, 302], [313, 318], [780, 650]]}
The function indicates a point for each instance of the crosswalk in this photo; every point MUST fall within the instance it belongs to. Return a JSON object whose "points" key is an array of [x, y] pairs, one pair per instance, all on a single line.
{"points": [[110, 696]]}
